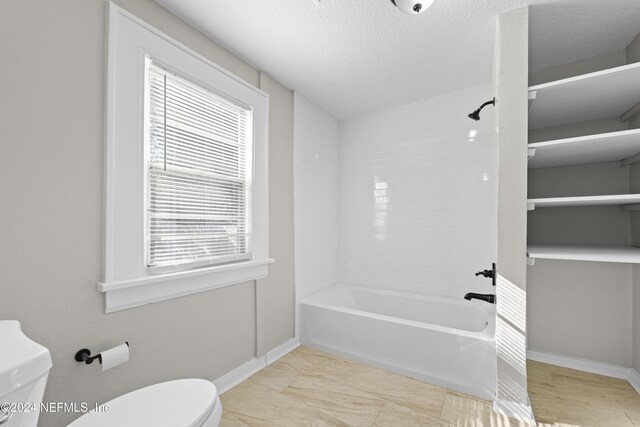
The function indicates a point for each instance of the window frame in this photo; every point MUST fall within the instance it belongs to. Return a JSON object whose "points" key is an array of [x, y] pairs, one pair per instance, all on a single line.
{"points": [[127, 280]]}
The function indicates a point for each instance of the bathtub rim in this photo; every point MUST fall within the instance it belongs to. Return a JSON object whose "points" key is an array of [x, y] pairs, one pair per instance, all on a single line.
{"points": [[486, 334]]}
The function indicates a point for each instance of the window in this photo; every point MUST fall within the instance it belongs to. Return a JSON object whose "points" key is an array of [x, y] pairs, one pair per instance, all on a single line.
{"points": [[199, 148], [186, 171]]}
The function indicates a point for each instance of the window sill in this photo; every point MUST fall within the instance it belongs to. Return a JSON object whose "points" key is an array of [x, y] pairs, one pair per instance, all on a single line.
{"points": [[124, 294]]}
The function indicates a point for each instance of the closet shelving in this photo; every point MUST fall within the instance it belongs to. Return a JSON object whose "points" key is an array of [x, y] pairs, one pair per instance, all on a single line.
{"points": [[623, 254], [558, 202], [604, 147], [592, 96], [598, 95]]}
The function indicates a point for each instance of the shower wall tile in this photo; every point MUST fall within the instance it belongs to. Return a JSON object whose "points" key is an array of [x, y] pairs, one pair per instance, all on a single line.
{"points": [[417, 196], [315, 198]]}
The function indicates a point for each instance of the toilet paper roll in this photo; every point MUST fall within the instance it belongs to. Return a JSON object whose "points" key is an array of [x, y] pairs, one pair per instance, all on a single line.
{"points": [[114, 356]]}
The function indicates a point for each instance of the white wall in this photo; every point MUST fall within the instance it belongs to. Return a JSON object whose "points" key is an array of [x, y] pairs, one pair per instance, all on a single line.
{"points": [[417, 196], [510, 80], [315, 197]]}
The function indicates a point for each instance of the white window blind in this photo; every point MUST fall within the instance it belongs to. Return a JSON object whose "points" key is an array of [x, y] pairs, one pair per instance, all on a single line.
{"points": [[199, 157]]}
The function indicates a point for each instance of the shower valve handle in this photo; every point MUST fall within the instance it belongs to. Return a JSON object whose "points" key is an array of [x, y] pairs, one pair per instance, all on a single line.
{"points": [[485, 273], [491, 274]]}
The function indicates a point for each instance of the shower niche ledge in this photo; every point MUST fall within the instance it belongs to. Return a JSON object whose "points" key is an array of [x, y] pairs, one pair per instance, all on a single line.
{"points": [[619, 254]]}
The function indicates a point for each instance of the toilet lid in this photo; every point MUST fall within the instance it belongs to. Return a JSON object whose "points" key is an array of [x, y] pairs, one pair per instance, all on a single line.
{"points": [[179, 403]]}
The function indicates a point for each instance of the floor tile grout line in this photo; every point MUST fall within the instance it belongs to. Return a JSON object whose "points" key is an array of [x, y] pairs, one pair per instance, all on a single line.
{"points": [[441, 416], [379, 412]]}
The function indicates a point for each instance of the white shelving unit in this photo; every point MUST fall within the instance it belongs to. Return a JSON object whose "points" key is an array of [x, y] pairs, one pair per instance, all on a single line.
{"points": [[622, 254], [604, 147], [598, 95], [557, 202], [603, 94]]}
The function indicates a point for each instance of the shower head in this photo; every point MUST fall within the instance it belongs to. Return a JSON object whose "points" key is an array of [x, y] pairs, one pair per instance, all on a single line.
{"points": [[476, 114]]}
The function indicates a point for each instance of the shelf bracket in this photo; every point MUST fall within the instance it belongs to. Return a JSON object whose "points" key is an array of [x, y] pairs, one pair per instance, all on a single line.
{"points": [[631, 113], [532, 95], [631, 208], [630, 160], [531, 206], [530, 153], [531, 261]]}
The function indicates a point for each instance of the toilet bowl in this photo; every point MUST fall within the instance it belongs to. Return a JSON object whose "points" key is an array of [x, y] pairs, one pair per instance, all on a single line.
{"points": [[179, 403]]}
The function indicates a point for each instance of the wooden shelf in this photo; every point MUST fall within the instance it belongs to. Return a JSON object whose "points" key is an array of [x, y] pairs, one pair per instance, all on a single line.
{"points": [[557, 202], [598, 95], [621, 254], [604, 147]]}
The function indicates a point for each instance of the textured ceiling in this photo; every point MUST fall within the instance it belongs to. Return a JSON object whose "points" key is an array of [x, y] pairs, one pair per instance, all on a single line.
{"points": [[354, 56]]}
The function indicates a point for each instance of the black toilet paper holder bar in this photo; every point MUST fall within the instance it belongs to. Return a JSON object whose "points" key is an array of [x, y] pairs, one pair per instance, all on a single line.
{"points": [[84, 355]]}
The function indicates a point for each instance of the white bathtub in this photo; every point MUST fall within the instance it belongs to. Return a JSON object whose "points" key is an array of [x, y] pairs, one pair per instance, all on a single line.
{"points": [[440, 340]]}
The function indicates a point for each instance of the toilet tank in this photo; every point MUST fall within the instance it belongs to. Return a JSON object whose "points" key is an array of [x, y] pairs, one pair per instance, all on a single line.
{"points": [[24, 368]]}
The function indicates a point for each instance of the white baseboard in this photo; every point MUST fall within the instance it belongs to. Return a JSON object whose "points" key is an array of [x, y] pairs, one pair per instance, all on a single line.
{"points": [[598, 368], [281, 350], [241, 373], [244, 371], [634, 379], [580, 364]]}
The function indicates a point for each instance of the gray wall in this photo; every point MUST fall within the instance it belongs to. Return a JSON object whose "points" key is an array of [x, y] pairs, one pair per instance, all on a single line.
{"points": [[580, 309], [634, 187], [636, 318], [276, 292], [633, 55], [584, 309], [51, 169], [598, 225], [633, 50], [585, 66], [612, 124]]}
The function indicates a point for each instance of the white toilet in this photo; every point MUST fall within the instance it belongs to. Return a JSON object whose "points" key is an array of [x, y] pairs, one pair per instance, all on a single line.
{"points": [[24, 367], [179, 403]]}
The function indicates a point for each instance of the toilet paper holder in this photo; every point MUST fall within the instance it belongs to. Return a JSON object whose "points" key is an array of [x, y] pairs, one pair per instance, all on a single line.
{"points": [[84, 355]]}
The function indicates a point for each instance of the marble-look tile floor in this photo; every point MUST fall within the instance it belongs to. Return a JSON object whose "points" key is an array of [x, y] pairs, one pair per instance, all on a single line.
{"points": [[308, 387], [575, 398]]}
